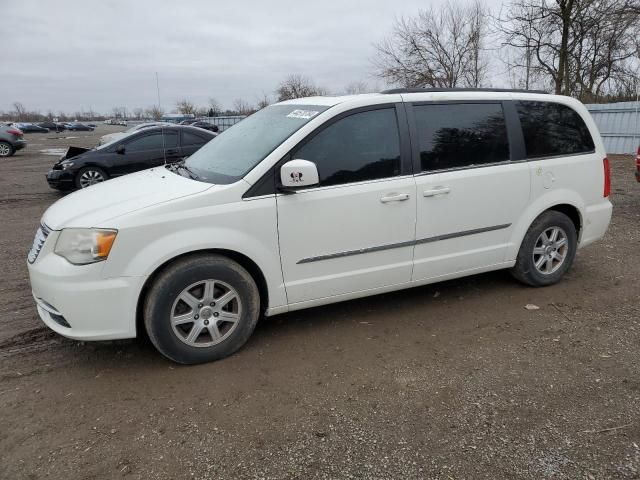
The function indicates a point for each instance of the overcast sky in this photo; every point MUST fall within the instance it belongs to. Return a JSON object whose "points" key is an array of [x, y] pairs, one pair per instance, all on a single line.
{"points": [[70, 55]]}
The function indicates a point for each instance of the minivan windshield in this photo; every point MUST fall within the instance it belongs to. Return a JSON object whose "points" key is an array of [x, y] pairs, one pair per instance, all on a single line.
{"points": [[233, 153]]}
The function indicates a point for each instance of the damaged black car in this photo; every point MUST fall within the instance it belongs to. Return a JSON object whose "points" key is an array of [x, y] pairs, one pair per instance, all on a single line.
{"points": [[151, 147]]}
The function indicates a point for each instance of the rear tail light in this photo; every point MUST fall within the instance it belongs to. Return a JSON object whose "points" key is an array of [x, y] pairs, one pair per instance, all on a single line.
{"points": [[14, 131], [607, 178], [638, 159]]}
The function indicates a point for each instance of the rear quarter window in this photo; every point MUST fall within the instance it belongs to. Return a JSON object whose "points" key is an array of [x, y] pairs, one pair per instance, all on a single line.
{"points": [[189, 138], [552, 129]]}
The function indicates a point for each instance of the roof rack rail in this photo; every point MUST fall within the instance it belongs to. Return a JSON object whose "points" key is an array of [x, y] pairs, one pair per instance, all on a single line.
{"points": [[433, 90]]}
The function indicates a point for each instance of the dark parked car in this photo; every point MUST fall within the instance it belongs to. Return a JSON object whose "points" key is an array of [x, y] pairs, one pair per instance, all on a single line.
{"points": [[30, 128], [150, 147], [79, 127], [11, 140], [206, 125], [53, 126]]}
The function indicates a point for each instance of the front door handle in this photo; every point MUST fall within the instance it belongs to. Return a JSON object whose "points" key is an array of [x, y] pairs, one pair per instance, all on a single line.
{"points": [[395, 197], [172, 151], [436, 191]]}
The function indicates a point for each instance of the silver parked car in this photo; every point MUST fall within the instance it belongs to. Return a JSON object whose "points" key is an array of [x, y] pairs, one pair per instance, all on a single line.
{"points": [[11, 140]]}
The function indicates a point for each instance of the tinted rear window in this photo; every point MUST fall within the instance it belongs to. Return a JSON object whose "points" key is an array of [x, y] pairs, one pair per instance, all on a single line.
{"points": [[460, 135], [552, 129]]}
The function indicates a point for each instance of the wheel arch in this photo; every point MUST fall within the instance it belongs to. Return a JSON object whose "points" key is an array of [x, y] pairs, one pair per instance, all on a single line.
{"points": [[563, 201], [246, 262], [570, 211]]}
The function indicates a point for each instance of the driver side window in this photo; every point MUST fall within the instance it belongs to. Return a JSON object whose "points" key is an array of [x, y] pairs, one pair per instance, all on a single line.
{"points": [[363, 146]]}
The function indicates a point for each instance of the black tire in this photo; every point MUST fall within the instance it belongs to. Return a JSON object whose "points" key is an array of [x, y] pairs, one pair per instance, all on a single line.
{"points": [[84, 170], [159, 307], [525, 270], [7, 149]]}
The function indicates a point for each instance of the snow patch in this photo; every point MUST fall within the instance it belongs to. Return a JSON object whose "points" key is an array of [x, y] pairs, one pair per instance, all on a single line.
{"points": [[54, 151]]}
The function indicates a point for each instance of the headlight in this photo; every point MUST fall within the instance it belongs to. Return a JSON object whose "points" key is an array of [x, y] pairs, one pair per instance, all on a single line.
{"points": [[81, 246], [66, 165]]}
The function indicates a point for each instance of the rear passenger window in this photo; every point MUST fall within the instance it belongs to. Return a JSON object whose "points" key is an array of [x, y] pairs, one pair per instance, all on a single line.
{"points": [[189, 138], [460, 135], [362, 146], [552, 129]]}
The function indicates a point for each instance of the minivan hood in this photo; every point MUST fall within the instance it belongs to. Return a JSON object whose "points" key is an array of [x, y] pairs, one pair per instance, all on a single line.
{"points": [[95, 205]]}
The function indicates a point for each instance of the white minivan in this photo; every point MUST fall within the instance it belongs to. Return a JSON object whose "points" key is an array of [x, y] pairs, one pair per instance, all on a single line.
{"points": [[319, 200]]}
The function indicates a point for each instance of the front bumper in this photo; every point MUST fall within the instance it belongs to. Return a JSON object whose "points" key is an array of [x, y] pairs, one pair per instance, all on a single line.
{"points": [[78, 303], [61, 179]]}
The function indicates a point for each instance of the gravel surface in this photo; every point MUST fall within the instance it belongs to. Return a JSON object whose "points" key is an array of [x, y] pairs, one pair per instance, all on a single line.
{"points": [[456, 380]]}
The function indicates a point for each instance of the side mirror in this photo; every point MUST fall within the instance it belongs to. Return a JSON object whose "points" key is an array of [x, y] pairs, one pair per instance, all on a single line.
{"points": [[298, 174], [120, 149]]}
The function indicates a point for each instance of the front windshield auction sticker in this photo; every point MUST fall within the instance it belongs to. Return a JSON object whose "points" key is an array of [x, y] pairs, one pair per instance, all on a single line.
{"points": [[303, 114]]}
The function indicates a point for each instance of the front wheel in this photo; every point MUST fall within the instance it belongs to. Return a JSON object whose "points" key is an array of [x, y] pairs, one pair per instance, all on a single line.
{"points": [[547, 251], [90, 176], [201, 308]]}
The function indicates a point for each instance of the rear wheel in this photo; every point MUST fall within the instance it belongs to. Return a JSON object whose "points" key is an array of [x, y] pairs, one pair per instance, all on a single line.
{"points": [[6, 149], [547, 251], [90, 176], [201, 308]]}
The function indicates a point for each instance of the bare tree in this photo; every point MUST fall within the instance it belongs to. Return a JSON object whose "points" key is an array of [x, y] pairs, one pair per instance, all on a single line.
{"points": [[298, 86], [119, 112], [583, 48], [214, 107], [242, 107], [437, 48], [605, 46], [19, 110], [263, 101], [185, 107], [355, 88], [154, 112]]}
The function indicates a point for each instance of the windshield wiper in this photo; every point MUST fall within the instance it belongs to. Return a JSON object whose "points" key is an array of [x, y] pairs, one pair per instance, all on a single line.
{"points": [[180, 166]]}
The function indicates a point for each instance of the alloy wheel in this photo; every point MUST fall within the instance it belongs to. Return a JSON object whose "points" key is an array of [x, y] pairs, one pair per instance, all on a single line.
{"points": [[206, 313], [90, 177], [5, 149], [550, 250]]}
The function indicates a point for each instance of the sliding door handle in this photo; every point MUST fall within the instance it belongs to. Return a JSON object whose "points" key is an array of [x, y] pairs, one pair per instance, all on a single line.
{"points": [[436, 191], [395, 197]]}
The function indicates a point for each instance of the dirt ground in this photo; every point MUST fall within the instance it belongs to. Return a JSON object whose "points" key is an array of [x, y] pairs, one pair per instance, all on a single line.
{"points": [[455, 380]]}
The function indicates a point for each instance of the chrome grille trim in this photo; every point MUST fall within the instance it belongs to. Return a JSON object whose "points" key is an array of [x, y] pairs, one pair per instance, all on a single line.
{"points": [[38, 242]]}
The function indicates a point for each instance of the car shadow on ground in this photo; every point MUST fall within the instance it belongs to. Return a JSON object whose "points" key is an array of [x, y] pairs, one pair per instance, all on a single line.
{"points": [[396, 307]]}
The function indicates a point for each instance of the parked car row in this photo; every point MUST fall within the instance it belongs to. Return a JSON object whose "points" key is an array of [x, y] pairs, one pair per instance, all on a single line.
{"points": [[116, 121], [45, 127]]}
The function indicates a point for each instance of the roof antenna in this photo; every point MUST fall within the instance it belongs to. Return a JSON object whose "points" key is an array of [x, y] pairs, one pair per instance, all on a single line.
{"points": [[164, 150]]}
